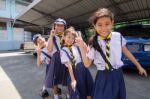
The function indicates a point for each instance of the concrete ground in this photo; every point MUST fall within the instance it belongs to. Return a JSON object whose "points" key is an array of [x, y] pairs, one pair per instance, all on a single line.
{"points": [[21, 79]]}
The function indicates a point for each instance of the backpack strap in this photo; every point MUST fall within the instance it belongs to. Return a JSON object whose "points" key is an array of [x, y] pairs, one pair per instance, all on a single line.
{"points": [[46, 55], [79, 53], [121, 39], [104, 56], [68, 57], [67, 54], [54, 40]]}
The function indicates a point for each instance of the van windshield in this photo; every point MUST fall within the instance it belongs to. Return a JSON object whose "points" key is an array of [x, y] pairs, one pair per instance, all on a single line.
{"points": [[135, 31]]}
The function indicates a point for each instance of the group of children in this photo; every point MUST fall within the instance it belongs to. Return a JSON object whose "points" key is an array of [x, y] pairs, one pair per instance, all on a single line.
{"points": [[67, 58]]}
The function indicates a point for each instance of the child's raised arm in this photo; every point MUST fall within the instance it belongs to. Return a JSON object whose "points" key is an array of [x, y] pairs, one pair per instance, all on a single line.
{"points": [[83, 47], [50, 41], [129, 55], [73, 81]]}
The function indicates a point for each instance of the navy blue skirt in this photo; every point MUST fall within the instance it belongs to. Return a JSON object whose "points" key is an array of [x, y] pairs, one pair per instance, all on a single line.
{"points": [[49, 76], [109, 85], [61, 71], [57, 73], [47, 69], [84, 82]]}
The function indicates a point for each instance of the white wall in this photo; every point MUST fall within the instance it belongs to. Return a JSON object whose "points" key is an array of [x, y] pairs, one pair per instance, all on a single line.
{"points": [[27, 36], [2, 4], [18, 34], [3, 35], [19, 37]]}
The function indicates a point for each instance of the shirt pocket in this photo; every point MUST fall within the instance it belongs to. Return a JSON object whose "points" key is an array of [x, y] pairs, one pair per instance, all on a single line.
{"points": [[98, 59]]}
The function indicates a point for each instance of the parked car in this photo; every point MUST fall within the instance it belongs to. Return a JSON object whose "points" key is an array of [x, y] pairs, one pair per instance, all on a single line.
{"points": [[138, 42], [140, 48], [29, 48]]}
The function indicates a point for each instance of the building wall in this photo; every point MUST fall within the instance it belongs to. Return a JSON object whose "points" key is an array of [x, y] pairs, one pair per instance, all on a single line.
{"points": [[8, 9], [11, 8], [19, 36], [10, 37]]}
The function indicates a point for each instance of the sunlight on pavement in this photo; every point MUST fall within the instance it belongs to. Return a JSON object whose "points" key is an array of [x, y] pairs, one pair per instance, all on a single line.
{"points": [[12, 54], [7, 88]]}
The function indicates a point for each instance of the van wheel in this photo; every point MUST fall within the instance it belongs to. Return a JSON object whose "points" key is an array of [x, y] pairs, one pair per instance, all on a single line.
{"points": [[35, 54]]}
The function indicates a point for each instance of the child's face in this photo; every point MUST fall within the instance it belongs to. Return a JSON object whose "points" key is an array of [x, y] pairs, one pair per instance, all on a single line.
{"points": [[103, 26], [59, 28], [41, 41], [69, 39]]}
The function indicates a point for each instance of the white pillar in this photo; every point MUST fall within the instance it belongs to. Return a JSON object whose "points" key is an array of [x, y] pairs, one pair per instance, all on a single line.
{"points": [[9, 31]]}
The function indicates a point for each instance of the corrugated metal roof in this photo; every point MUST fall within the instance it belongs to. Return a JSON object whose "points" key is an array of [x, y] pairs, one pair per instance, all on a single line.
{"points": [[77, 12]]}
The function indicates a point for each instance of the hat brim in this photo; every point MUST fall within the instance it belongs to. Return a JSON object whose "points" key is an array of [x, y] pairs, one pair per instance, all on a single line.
{"points": [[61, 23], [35, 40]]}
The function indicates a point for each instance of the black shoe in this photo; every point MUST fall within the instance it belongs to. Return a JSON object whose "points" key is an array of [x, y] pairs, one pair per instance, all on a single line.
{"points": [[44, 93], [59, 91]]}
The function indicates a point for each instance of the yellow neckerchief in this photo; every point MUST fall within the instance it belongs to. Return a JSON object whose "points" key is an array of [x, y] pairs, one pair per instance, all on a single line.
{"points": [[60, 34], [106, 38], [72, 56], [68, 46]]}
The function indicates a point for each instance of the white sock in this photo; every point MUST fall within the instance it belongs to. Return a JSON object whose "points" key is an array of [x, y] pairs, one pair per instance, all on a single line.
{"points": [[56, 96], [43, 88], [68, 96]]}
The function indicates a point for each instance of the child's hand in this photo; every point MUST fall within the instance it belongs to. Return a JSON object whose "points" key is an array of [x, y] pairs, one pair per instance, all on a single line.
{"points": [[79, 41], [38, 49], [142, 71], [73, 85], [53, 32]]}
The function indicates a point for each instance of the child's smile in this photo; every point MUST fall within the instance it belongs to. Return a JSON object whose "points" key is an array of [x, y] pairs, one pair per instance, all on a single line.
{"points": [[41, 41], [103, 26], [59, 28], [69, 39]]}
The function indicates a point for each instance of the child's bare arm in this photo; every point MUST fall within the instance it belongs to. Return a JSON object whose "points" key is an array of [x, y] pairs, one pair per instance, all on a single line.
{"points": [[50, 41], [129, 55], [83, 47], [50, 44], [73, 81], [38, 51], [39, 62]]}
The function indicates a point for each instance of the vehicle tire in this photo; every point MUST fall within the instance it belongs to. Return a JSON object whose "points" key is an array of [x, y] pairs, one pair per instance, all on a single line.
{"points": [[35, 54]]}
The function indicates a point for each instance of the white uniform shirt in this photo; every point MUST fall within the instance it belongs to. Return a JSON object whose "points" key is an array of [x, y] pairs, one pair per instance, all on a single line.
{"points": [[115, 52], [65, 58], [44, 58], [58, 44]]}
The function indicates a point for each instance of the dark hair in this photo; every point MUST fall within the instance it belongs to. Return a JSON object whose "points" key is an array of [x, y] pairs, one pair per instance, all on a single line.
{"points": [[102, 12], [90, 40], [93, 42]]}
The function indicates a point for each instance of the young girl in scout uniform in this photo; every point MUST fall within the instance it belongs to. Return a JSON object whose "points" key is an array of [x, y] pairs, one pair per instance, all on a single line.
{"points": [[43, 57], [80, 78], [106, 52], [58, 71]]}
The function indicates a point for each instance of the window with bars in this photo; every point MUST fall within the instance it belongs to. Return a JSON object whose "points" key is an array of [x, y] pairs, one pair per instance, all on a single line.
{"points": [[2, 4]]}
